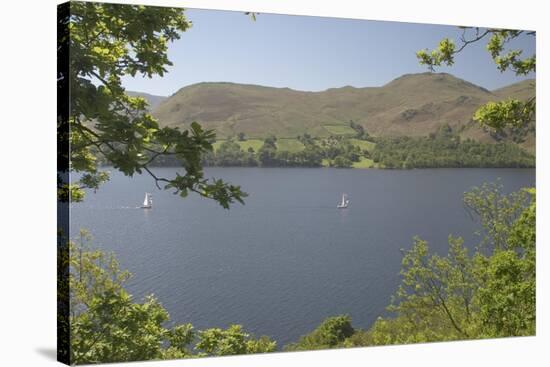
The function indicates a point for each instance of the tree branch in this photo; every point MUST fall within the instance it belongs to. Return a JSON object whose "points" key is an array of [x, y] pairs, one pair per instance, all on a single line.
{"points": [[466, 42]]}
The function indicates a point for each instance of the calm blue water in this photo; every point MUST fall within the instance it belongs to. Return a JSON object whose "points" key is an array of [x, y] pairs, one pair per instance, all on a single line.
{"points": [[287, 259]]}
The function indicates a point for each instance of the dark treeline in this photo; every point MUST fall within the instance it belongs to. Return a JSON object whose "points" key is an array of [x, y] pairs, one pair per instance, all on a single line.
{"points": [[230, 154], [446, 149], [338, 152], [441, 149]]}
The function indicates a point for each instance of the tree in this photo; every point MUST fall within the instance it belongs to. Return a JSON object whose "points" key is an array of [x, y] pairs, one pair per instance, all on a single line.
{"points": [[497, 212], [311, 156], [490, 293], [359, 129], [267, 153], [98, 123], [331, 333], [445, 149], [232, 341], [341, 161], [486, 294], [107, 325], [507, 294], [271, 141], [98, 45], [306, 139], [494, 115]]}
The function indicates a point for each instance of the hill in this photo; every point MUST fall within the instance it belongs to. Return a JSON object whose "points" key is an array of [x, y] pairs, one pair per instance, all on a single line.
{"points": [[151, 99], [411, 105]]}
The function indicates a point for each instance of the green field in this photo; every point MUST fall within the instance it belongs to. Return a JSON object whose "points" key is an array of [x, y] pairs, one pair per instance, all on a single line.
{"points": [[290, 145], [217, 144], [283, 144], [364, 163], [294, 145], [363, 144], [339, 129], [256, 144]]}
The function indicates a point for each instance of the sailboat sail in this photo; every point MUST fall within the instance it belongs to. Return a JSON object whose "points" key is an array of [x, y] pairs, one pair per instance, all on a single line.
{"points": [[148, 201], [344, 203]]}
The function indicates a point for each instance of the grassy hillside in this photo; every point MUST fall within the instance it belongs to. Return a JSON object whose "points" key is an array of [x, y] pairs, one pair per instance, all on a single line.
{"points": [[521, 90], [411, 105], [290, 145], [151, 99], [363, 144]]}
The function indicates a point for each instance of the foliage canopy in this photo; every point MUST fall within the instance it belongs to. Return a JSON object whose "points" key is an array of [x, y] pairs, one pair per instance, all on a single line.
{"points": [[107, 325], [107, 42], [501, 114], [461, 295]]}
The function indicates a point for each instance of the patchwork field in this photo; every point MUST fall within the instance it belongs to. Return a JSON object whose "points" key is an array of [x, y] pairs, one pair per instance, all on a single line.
{"points": [[255, 144], [365, 163], [290, 145], [363, 144], [294, 145], [339, 129]]}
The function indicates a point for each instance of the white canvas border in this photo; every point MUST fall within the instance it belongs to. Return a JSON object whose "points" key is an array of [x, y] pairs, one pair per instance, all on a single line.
{"points": [[27, 305]]}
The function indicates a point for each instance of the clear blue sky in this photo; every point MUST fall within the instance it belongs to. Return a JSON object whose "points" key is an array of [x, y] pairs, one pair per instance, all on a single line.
{"points": [[311, 53]]}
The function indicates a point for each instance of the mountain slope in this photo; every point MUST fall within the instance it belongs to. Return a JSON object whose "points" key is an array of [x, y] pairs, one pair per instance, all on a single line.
{"points": [[413, 105], [151, 99], [521, 90]]}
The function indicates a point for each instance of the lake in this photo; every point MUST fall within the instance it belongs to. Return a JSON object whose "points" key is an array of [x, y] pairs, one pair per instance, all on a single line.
{"points": [[288, 259]]}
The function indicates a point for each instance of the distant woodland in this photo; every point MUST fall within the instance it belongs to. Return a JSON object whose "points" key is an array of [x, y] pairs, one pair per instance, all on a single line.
{"points": [[443, 148]]}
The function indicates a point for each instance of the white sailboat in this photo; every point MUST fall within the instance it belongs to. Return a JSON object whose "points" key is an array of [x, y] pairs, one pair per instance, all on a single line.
{"points": [[148, 201], [345, 202]]}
